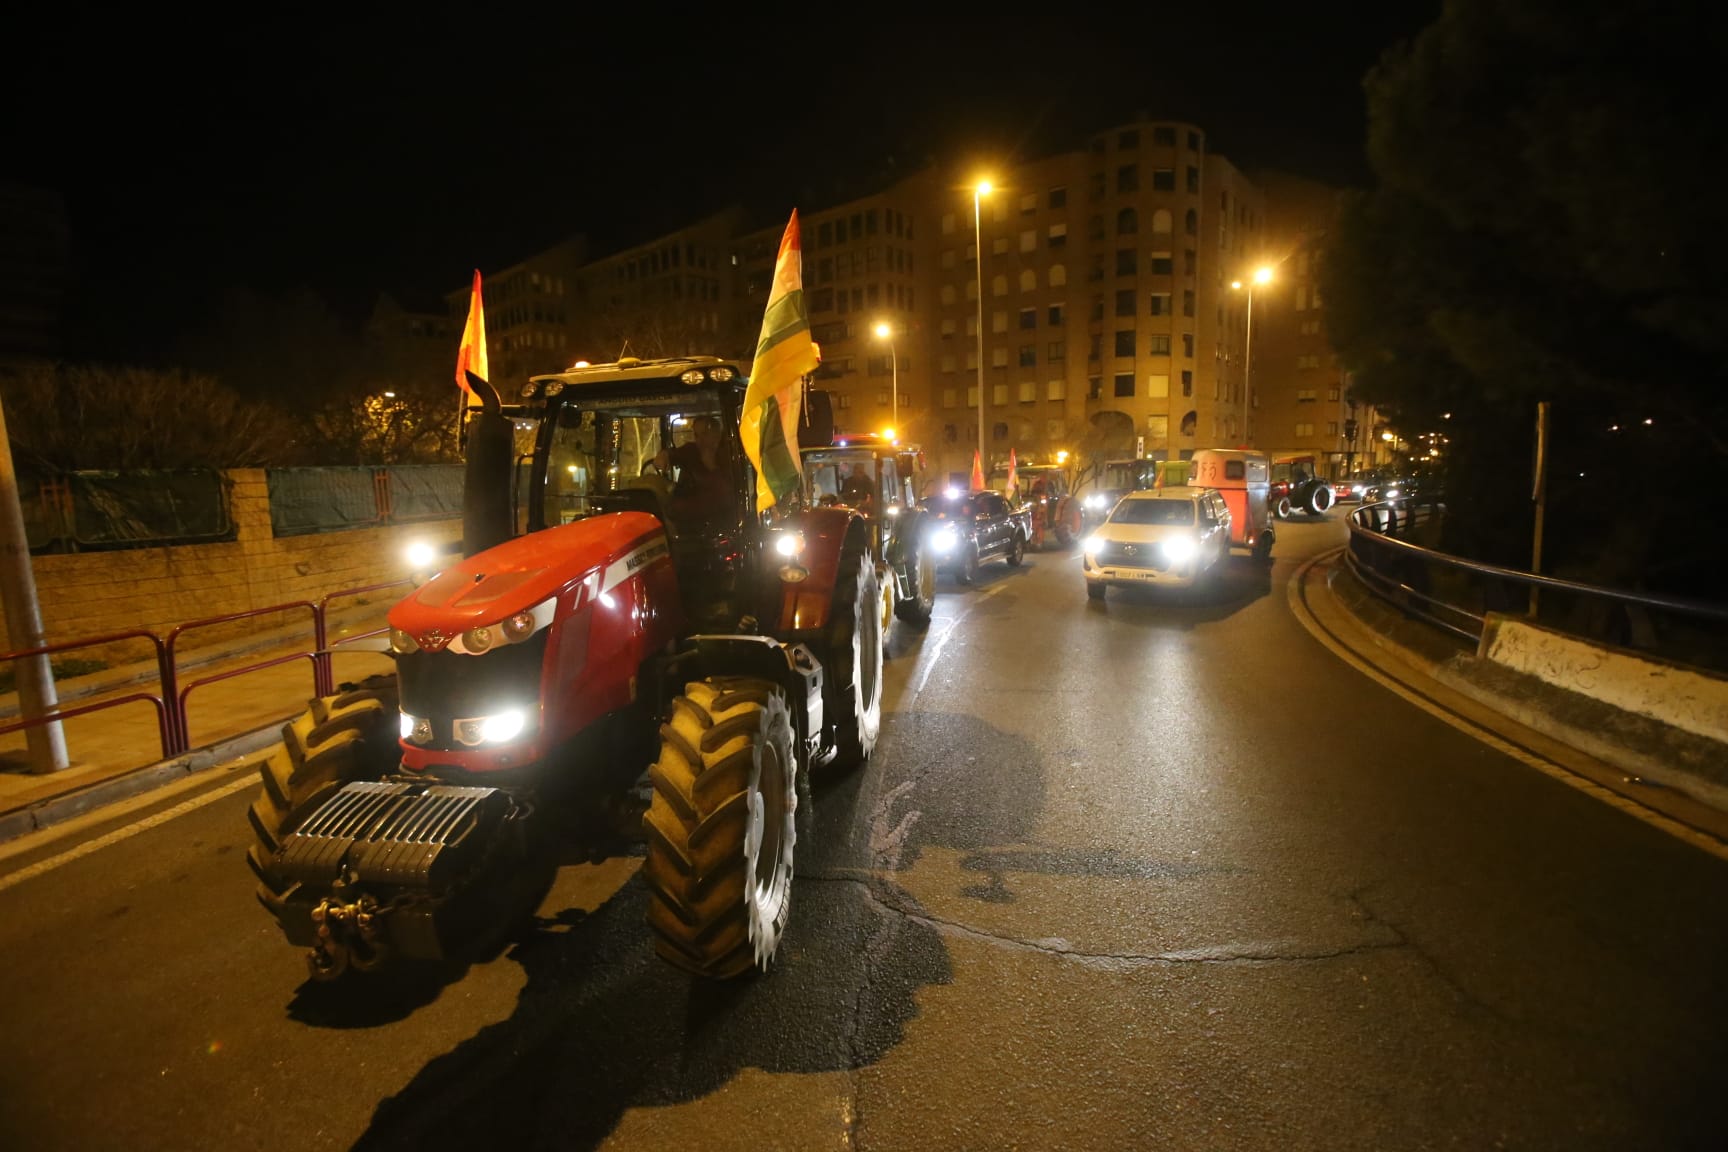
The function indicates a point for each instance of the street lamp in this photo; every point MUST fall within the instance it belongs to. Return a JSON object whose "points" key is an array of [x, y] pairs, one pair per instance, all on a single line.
{"points": [[981, 190], [1262, 275], [885, 332]]}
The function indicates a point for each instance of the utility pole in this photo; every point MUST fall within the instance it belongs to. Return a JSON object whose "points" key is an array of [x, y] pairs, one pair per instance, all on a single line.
{"points": [[36, 697]]}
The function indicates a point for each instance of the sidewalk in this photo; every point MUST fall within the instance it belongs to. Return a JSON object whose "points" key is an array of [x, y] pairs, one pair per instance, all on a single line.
{"points": [[115, 753]]}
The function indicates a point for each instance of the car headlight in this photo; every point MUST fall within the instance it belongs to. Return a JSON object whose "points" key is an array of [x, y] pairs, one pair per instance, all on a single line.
{"points": [[789, 544], [1092, 545], [1180, 549], [1094, 501], [945, 539], [496, 729]]}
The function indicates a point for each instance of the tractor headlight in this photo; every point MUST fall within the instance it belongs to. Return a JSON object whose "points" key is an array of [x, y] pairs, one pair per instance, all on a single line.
{"points": [[496, 729], [945, 539], [421, 555], [1092, 545], [789, 544], [518, 627], [891, 510], [416, 729], [478, 640], [513, 629], [401, 642], [1180, 549]]}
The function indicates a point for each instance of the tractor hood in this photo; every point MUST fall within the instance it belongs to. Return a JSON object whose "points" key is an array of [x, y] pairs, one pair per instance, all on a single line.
{"points": [[525, 573]]}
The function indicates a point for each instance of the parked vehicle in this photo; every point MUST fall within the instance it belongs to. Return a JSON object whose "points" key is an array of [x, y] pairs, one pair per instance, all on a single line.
{"points": [[1174, 537], [881, 479], [1243, 477], [1297, 486], [648, 617], [971, 527], [1046, 491]]}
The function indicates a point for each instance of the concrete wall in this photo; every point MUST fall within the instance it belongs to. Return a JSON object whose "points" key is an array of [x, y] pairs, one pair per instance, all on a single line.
{"points": [[1685, 698], [95, 593]]}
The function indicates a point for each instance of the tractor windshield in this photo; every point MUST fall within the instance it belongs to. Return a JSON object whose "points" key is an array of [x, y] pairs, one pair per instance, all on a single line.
{"points": [[670, 454]]}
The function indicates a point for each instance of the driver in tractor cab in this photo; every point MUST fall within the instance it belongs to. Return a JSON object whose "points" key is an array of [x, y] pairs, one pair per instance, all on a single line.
{"points": [[857, 491], [703, 491]]}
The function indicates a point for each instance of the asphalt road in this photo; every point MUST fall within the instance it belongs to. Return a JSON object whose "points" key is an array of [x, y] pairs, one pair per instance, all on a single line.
{"points": [[1161, 872]]}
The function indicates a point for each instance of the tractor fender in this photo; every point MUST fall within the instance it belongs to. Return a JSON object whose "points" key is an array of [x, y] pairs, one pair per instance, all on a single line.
{"points": [[909, 528], [805, 604]]}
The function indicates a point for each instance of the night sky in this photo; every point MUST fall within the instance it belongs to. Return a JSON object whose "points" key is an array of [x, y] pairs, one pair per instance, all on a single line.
{"points": [[397, 149]]}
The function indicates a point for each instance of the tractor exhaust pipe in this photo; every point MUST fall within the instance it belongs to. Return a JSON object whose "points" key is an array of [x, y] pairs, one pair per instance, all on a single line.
{"points": [[486, 480]]}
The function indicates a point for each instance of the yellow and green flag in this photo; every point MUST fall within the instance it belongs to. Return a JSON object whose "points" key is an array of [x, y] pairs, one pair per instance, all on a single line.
{"points": [[785, 354]]}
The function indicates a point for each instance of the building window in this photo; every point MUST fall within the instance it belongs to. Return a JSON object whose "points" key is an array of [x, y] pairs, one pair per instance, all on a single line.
{"points": [[1056, 390], [1028, 318], [1331, 393], [1128, 138], [948, 362], [998, 321], [1028, 280], [950, 397], [1125, 342], [1162, 264], [1187, 383], [1163, 179], [1096, 312], [1058, 275], [1126, 261], [948, 326], [998, 393], [1161, 222], [1160, 302], [1128, 178], [1127, 222], [1158, 385], [1028, 355], [1188, 302], [949, 433], [1057, 236], [1164, 136], [999, 286], [1095, 228], [1125, 302], [1029, 240], [1056, 352], [998, 357], [1304, 395], [1124, 383], [1095, 386], [1028, 203], [1193, 179], [1028, 391], [1303, 431], [1058, 197], [1188, 345], [1191, 222], [1189, 264], [999, 431], [1159, 344], [999, 246], [1053, 318]]}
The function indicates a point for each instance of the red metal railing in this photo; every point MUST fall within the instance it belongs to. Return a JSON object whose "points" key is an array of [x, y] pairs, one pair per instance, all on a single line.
{"points": [[173, 729]]}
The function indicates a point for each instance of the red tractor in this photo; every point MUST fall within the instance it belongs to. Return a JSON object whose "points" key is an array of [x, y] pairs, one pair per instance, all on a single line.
{"points": [[622, 621]]}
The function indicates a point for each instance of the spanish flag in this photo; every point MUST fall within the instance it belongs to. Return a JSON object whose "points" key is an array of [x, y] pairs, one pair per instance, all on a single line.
{"points": [[785, 354], [471, 355]]}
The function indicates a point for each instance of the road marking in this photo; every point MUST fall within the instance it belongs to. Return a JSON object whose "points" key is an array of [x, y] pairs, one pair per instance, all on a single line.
{"points": [[1294, 593], [127, 832], [934, 652]]}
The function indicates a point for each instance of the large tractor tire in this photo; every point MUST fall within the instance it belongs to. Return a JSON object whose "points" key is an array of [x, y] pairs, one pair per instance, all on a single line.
{"points": [[887, 596], [337, 740], [854, 684], [1318, 499], [721, 828], [1282, 508], [921, 567]]}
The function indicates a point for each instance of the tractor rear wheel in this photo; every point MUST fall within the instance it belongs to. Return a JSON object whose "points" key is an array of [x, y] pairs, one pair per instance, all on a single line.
{"points": [[721, 828], [337, 740], [855, 660]]}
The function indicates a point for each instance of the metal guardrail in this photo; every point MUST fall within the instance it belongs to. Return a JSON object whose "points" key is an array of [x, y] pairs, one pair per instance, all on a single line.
{"points": [[170, 705], [1457, 594]]}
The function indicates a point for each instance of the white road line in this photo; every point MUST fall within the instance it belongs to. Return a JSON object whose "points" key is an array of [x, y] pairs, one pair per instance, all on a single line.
{"points": [[127, 832], [1674, 828], [935, 651]]}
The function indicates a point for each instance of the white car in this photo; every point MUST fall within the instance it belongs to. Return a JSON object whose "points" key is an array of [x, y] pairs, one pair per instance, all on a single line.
{"points": [[1173, 537]]}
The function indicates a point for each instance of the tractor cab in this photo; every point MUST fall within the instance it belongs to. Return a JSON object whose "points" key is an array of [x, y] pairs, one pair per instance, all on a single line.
{"points": [[880, 478]]}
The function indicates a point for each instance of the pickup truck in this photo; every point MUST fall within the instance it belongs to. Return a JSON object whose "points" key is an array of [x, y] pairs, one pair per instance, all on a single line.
{"points": [[967, 528]]}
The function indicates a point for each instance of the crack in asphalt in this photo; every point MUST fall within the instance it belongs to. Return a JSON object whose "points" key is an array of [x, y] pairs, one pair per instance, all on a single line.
{"points": [[1221, 954]]}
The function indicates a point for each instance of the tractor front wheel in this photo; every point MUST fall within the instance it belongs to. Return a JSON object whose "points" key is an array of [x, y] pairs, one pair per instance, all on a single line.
{"points": [[721, 827], [916, 609]]}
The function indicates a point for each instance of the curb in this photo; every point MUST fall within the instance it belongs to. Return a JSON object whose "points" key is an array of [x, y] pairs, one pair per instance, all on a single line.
{"points": [[54, 810]]}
